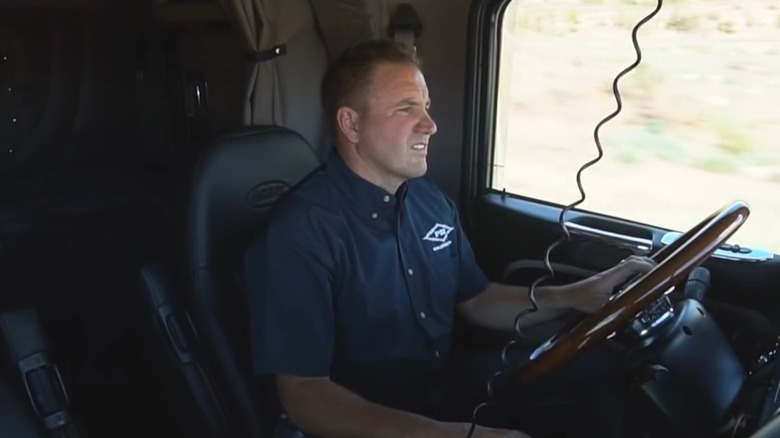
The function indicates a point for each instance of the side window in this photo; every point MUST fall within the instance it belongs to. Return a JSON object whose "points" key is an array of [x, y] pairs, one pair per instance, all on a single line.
{"points": [[700, 124]]}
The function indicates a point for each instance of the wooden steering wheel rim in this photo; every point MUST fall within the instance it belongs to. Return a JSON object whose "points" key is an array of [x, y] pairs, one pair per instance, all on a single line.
{"points": [[674, 262]]}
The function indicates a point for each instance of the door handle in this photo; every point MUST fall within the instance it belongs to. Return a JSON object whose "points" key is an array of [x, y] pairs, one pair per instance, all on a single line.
{"points": [[636, 245]]}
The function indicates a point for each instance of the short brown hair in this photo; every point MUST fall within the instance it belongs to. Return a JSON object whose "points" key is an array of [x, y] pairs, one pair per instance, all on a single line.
{"points": [[347, 80]]}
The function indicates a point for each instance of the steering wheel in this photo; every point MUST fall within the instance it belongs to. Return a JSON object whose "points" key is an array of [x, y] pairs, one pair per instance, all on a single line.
{"points": [[673, 263]]}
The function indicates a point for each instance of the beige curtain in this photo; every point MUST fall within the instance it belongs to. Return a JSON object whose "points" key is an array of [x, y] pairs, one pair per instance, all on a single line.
{"points": [[284, 91], [256, 20], [346, 22]]}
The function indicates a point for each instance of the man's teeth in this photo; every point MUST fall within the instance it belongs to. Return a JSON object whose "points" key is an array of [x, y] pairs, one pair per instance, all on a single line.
{"points": [[419, 146]]}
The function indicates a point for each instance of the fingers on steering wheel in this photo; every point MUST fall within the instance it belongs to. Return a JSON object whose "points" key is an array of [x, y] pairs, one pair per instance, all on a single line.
{"points": [[640, 261]]}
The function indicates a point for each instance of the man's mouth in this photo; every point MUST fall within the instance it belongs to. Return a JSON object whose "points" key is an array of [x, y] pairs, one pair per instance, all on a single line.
{"points": [[419, 146]]}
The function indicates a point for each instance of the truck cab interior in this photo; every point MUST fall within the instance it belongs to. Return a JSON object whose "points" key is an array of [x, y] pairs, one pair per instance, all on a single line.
{"points": [[144, 142]]}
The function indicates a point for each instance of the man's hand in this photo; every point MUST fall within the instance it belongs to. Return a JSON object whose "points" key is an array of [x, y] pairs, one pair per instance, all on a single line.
{"points": [[487, 432], [591, 293], [461, 430], [321, 407]]}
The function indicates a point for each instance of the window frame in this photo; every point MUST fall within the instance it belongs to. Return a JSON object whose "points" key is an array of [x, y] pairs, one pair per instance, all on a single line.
{"points": [[482, 68], [483, 65]]}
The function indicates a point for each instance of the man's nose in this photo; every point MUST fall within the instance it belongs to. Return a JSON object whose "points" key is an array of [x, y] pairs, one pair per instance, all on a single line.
{"points": [[427, 125]]}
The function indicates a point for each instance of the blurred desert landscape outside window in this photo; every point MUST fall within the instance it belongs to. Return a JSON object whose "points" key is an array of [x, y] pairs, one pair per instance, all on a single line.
{"points": [[700, 125]]}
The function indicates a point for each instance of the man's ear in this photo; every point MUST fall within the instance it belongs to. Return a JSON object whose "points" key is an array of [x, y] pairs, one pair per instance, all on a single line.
{"points": [[348, 120]]}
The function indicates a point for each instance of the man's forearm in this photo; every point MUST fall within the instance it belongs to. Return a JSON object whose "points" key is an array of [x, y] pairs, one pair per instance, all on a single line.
{"points": [[325, 409], [499, 305]]}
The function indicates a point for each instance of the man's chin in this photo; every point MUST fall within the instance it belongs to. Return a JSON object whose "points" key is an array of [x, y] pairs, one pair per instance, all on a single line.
{"points": [[418, 172]]}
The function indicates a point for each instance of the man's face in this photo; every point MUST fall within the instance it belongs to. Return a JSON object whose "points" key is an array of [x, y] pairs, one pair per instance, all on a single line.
{"points": [[394, 126]]}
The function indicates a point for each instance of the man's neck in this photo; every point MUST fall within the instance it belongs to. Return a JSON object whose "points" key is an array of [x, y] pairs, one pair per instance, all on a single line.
{"points": [[363, 169]]}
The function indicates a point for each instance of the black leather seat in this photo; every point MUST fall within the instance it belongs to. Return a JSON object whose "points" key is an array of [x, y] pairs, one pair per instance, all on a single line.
{"points": [[206, 349]]}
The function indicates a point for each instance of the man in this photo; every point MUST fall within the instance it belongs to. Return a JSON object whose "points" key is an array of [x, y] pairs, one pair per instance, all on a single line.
{"points": [[354, 286]]}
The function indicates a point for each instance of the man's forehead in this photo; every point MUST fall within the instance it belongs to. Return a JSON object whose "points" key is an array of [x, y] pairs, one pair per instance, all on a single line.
{"points": [[389, 79]]}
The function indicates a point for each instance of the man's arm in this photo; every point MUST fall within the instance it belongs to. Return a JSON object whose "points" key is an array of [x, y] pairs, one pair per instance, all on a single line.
{"points": [[498, 306], [323, 408]]}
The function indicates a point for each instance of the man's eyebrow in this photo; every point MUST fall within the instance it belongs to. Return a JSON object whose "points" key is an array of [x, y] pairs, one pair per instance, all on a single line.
{"points": [[412, 102]]}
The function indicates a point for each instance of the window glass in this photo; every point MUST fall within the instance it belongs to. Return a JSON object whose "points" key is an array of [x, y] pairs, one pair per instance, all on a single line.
{"points": [[700, 124]]}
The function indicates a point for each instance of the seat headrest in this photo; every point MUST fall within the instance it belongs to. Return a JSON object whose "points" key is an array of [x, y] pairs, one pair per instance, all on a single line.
{"points": [[236, 183]]}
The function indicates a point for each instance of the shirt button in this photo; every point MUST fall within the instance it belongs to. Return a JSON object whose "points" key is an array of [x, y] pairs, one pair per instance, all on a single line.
{"points": [[387, 198], [436, 353], [422, 315], [373, 215], [410, 271]]}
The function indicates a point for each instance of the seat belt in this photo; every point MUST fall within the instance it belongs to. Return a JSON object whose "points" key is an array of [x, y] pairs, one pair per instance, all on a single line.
{"points": [[405, 25], [21, 329]]}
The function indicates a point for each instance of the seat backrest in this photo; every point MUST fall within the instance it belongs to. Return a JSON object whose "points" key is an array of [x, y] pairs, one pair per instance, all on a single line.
{"points": [[235, 184]]}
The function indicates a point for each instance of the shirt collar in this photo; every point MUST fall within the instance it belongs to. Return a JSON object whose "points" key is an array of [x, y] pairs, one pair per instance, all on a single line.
{"points": [[369, 199]]}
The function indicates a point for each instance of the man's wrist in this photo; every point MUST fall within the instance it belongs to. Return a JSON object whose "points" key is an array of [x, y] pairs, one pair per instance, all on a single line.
{"points": [[564, 297], [579, 294], [570, 296]]}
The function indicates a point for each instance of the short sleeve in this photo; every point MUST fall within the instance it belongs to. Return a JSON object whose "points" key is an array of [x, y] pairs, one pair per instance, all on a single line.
{"points": [[289, 292]]}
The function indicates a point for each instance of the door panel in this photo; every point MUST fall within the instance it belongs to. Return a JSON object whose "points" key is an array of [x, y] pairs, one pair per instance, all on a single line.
{"points": [[509, 229]]}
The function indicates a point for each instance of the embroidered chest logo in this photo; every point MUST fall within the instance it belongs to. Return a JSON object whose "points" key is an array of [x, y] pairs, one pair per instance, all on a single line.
{"points": [[440, 234]]}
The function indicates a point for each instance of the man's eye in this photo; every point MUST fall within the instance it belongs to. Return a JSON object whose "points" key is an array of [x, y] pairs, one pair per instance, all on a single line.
{"points": [[405, 109]]}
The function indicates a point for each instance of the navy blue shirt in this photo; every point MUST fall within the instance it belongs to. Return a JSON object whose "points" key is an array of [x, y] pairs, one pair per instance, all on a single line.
{"points": [[358, 284]]}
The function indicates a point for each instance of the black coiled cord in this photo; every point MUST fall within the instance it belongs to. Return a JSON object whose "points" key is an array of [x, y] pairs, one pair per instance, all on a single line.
{"points": [[561, 219]]}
